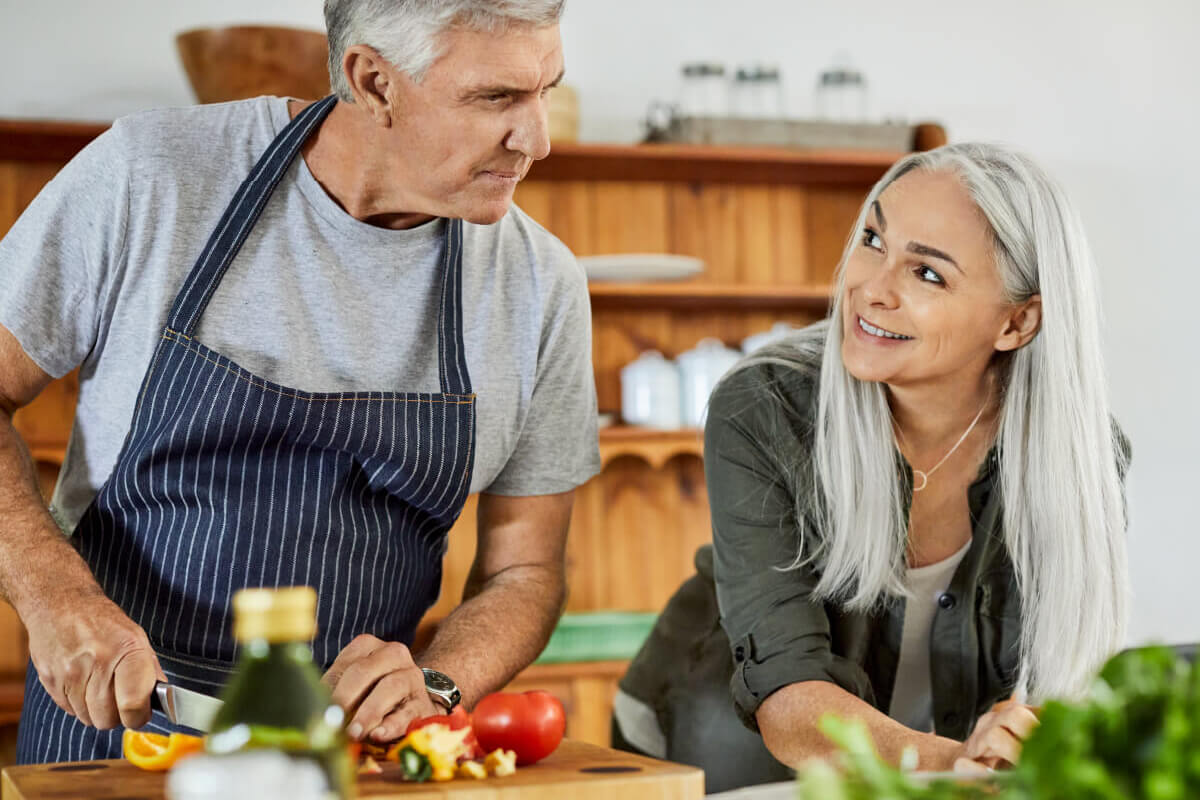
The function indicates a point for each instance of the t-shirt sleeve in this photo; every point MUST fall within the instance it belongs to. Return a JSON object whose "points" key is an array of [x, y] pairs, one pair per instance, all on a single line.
{"points": [[754, 443], [558, 448], [58, 257]]}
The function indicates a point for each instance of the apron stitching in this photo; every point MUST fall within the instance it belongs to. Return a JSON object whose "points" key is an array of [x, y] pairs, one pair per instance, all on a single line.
{"points": [[432, 400]]}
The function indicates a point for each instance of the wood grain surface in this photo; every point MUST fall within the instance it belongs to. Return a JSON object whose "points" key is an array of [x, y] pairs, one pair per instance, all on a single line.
{"points": [[576, 770]]}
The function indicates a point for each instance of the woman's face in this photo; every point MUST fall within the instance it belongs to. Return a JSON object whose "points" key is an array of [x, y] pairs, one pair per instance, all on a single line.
{"points": [[923, 299]]}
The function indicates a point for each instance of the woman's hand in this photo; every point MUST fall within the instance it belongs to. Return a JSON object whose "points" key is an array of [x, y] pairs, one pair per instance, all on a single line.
{"points": [[996, 741]]}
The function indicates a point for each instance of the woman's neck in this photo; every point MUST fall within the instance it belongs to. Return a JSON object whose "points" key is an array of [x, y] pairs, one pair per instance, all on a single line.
{"points": [[930, 415]]}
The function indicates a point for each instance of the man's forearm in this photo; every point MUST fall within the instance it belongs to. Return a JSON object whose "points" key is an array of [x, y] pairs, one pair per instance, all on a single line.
{"points": [[499, 629], [36, 560]]}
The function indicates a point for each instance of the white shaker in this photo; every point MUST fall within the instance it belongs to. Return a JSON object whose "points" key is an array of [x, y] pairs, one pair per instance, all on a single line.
{"points": [[700, 369], [650, 392]]}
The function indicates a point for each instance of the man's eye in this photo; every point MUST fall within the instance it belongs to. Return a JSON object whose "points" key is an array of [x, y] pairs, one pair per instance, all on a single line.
{"points": [[927, 274], [495, 98]]}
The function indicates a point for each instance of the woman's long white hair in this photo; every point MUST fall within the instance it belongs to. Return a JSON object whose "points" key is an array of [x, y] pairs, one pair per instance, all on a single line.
{"points": [[1060, 483]]}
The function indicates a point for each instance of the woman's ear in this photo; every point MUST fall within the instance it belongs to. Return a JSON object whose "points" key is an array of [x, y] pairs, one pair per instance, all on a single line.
{"points": [[1021, 325], [370, 76]]}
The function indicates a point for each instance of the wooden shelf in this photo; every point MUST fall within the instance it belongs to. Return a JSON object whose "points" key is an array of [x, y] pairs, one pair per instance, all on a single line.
{"points": [[709, 164], [654, 447], [45, 140], [48, 455], [692, 295]]}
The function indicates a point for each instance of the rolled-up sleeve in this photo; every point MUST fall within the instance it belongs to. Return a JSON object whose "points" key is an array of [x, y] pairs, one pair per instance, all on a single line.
{"points": [[756, 448]]}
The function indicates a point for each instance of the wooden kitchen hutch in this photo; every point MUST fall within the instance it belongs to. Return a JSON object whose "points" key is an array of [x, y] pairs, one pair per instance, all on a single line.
{"points": [[770, 226]]}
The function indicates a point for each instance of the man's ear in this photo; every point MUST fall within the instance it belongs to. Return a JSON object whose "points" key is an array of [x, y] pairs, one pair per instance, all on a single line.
{"points": [[1021, 325], [370, 77]]}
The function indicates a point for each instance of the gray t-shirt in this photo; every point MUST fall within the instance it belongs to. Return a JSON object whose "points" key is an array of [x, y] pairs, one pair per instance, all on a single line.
{"points": [[315, 300]]}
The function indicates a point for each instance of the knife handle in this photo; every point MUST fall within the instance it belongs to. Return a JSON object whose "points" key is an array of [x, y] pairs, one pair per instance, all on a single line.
{"points": [[158, 698]]}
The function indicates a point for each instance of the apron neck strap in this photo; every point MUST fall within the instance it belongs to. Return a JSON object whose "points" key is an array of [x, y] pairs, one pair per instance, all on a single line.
{"points": [[240, 216]]}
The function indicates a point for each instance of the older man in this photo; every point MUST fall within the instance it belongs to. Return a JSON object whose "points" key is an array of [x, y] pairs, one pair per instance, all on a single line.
{"points": [[306, 331]]}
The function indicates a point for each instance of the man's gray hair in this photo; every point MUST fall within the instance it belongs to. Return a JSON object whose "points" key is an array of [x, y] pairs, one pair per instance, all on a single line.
{"points": [[405, 32]]}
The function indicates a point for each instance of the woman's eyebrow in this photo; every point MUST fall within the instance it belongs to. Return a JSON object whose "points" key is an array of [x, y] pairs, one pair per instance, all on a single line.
{"points": [[879, 216], [932, 252]]}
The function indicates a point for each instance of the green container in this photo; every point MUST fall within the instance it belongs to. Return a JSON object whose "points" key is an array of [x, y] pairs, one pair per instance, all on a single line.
{"points": [[598, 636]]}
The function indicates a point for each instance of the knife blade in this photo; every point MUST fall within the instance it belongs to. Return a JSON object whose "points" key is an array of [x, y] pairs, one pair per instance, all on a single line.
{"points": [[185, 707]]}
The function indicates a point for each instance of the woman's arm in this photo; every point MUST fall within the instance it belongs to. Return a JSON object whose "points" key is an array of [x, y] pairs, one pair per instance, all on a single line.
{"points": [[788, 722]]}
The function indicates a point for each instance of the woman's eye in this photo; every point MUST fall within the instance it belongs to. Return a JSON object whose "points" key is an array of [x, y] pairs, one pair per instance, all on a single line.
{"points": [[871, 239], [927, 274]]}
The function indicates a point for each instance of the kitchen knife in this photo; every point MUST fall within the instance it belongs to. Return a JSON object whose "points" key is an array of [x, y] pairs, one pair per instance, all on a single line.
{"points": [[185, 707]]}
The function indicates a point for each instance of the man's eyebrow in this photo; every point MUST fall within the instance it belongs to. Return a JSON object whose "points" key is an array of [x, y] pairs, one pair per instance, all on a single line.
{"points": [[879, 215], [501, 88], [932, 252]]}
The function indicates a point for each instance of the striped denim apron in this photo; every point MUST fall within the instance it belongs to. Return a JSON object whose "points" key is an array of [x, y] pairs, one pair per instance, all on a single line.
{"points": [[227, 480]]}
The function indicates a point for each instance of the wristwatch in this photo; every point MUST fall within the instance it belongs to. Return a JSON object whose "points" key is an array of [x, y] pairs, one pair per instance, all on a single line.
{"points": [[443, 690]]}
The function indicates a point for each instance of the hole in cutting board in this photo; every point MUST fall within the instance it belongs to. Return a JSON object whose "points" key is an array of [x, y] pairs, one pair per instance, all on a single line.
{"points": [[79, 767], [610, 770]]}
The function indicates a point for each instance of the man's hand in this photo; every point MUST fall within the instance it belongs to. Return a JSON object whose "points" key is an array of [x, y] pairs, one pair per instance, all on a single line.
{"points": [[996, 741], [381, 688], [94, 661]]}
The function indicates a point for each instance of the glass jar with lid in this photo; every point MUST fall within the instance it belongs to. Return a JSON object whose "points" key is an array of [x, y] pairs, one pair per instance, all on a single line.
{"points": [[704, 91], [757, 92], [841, 94]]}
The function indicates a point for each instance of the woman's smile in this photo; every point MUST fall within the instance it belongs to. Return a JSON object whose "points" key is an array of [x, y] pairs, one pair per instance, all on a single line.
{"points": [[877, 335]]}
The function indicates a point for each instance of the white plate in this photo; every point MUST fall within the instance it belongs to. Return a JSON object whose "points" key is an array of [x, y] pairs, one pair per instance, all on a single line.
{"points": [[640, 267]]}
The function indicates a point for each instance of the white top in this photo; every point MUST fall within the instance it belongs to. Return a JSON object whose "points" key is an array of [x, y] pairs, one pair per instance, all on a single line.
{"points": [[912, 695]]}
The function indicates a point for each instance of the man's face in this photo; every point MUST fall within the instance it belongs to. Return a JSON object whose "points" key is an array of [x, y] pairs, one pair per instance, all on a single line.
{"points": [[469, 131]]}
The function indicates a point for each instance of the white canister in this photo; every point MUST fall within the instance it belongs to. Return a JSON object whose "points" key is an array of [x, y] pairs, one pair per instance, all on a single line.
{"points": [[650, 392], [700, 368]]}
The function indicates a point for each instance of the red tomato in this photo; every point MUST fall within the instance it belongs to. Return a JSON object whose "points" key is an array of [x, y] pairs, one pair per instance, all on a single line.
{"points": [[530, 723]]}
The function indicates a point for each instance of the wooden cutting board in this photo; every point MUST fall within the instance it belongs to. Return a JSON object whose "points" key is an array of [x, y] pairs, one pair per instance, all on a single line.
{"points": [[576, 770]]}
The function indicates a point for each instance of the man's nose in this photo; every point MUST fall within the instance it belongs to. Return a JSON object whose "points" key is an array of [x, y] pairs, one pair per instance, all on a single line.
{"points": [[531, 133]]}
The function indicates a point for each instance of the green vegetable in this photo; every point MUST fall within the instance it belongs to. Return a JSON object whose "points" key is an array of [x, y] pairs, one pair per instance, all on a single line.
{"points": [[415, 766], [1137, 737]]}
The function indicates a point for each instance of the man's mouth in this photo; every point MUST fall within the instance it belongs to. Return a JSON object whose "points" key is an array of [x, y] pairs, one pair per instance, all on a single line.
{"points": [[874, 330]]}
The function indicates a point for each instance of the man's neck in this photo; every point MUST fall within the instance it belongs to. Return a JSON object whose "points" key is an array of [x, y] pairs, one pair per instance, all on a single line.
{"points": [[350, 173]]}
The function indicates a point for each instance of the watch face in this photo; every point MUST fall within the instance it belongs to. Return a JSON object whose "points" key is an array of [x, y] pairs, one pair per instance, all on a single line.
{"points": [[438, 682]]}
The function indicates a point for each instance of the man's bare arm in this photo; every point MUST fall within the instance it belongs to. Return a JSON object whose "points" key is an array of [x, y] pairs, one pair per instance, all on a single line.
{"points": [[95, 662], [514, 594]]}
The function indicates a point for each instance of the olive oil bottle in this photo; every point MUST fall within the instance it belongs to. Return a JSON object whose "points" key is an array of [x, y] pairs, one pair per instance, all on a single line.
{"points": [[276, 699]]}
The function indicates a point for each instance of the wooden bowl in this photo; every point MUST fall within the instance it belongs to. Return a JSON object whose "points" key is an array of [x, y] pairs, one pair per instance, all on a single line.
{"points": [[243, 61]]}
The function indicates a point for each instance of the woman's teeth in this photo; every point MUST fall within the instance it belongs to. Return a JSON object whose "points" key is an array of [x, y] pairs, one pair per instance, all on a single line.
{"points": [[871, 329]]}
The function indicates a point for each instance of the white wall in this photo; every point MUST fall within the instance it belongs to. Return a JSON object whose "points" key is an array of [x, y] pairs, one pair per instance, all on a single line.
{"points": [[1104, 92]]}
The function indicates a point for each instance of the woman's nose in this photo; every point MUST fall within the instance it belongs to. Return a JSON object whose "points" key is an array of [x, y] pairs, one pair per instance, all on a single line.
{"points": [[880, 289]]}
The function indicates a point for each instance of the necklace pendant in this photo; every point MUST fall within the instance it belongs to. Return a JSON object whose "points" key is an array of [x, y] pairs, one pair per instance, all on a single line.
{"points": [[924, 480]]}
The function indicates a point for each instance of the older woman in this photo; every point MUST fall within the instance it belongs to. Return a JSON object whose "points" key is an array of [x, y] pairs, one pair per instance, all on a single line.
{"points": [[917, 505]]}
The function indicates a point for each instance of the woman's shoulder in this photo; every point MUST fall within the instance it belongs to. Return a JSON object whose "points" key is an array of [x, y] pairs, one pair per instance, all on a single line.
{"points": [[777, 384]]}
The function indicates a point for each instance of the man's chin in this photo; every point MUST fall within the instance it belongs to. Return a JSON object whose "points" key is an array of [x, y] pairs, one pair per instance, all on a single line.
{"points": [[489, 213]]}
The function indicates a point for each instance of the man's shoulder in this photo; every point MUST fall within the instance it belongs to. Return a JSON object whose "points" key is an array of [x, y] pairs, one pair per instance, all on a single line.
{"points": [[194, 134]]}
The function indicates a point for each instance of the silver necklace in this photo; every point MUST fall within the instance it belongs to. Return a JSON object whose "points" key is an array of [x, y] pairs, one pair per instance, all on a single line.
{"points": [[925, 475]]}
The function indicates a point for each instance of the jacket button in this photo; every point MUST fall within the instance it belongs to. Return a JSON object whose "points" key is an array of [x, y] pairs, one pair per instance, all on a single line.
{"points": [[947, 601], [739, 654]]}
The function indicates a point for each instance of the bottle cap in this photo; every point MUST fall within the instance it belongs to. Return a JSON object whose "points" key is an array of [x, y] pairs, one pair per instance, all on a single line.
{"points": [[287, 614]]}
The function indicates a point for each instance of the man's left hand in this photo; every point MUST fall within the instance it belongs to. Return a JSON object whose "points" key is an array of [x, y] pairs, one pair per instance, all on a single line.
{"points": [[380, 687]]}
